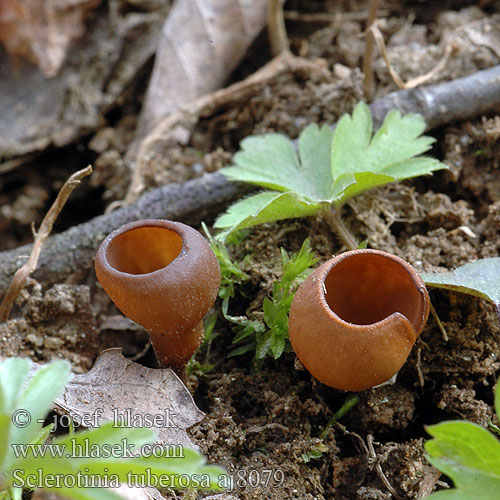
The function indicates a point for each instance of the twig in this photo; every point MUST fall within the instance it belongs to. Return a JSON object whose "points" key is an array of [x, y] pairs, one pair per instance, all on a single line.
{"points": [[421, 378], [414, 82], [369, 84], [276, 29], [22, 274], [325, 17], [439, 324], [380, 473], [72, 251], [204, 105], [333, 218]]}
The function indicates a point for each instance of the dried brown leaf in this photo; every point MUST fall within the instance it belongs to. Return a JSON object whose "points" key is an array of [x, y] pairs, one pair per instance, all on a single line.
{"points": [[116, 389], [201, 42], [41, 32]]}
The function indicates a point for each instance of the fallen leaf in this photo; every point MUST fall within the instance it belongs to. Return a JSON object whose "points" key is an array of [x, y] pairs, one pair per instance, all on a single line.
{"points": [[200, 44], [41, 32], [36, 112], [119, 390], [480, 278]]}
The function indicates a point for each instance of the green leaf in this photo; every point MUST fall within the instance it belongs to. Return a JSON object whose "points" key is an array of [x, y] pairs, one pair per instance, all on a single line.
{"points": [[88, 493], [106, 450], [37, 398], [497, 400], [239, 351], [13, 373], [328, 168], [268, 206], [469, 455], [277, 343], [387, 157], [362, 182], [480, 278], [271, 161], [314, 151]]}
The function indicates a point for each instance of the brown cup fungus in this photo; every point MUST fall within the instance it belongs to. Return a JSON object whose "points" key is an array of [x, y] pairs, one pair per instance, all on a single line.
{"points": [[164, 276], [354, 320]]}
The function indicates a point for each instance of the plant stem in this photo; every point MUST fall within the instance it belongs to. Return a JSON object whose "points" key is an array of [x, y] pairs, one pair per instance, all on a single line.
{"points": [[332, 216], [276, 27], [349, 403]]}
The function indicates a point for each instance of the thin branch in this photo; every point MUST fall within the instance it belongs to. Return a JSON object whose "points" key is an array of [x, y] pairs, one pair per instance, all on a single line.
{"points": [[325, 17], [276, 29], [23, 273], [369, 83], [419, 80], [380, 473], [200, 199], [439, 323]]}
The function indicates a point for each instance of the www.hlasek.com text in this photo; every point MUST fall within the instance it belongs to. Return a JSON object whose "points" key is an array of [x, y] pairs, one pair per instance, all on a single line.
{"points": [[85, 480], [83, 448]]}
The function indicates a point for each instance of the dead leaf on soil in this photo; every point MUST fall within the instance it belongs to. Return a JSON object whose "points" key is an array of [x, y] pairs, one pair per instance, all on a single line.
{"points": [[41, 32], [116, 388], [200, 44], [36, 112]]}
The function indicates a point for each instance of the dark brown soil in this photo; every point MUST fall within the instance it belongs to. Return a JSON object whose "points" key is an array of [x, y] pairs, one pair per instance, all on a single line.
{"points": [[263, 425]]}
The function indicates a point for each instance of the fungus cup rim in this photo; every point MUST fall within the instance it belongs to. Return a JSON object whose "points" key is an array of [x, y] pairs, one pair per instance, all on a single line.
{"points": [[412, 273], [176, 227]]}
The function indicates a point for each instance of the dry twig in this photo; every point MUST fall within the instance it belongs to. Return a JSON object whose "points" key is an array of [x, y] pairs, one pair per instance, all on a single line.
{"points": [[369, 85], [325, 17], [414, 82], [22, 274], [374, 460], [188, 116], [276, 27], [199, 199]]}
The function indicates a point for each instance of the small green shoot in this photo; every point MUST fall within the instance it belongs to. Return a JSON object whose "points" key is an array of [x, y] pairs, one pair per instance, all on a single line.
{"points": [[66, 465], [327, 169], [231, 274], [314, 453], [271, 337], [469, 455], [350, 402], [480, 278]]}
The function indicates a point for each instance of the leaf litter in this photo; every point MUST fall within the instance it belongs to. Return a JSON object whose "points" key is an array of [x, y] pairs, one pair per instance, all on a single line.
{"points": [[119, 390]]}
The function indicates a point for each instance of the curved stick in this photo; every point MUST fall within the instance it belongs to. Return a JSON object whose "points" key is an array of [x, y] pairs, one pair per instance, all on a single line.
{"points": [[73, 250]]}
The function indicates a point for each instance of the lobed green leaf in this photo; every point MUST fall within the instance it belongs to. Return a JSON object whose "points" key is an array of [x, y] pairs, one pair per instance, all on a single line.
{"points": [[268, 206], [327, 167]]}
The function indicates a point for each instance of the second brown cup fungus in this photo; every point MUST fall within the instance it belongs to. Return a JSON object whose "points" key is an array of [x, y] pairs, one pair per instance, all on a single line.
{"points": [[354, 320], [164, 276]]}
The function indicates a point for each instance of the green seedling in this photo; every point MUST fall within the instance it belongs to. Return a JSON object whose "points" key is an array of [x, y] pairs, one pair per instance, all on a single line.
{"points": [[314, 453], [480, 278], [30, 459], [231, 274], [469, 455], [271, 336], [350, 402], [326, 170]]}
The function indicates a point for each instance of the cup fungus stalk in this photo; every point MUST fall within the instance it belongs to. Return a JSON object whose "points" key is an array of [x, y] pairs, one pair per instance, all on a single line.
{"points": [[164, 276], [354, 320]]}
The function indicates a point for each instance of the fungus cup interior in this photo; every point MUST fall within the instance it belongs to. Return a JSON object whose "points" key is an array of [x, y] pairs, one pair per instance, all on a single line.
{"points": [[144, 250], [364, 289]]}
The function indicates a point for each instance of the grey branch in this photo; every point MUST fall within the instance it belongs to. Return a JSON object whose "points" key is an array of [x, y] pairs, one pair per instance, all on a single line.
{"points": [[200, 199]]}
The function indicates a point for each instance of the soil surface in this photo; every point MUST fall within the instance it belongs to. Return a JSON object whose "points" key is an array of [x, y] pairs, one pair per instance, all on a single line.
{"points": [[264, 424]]}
